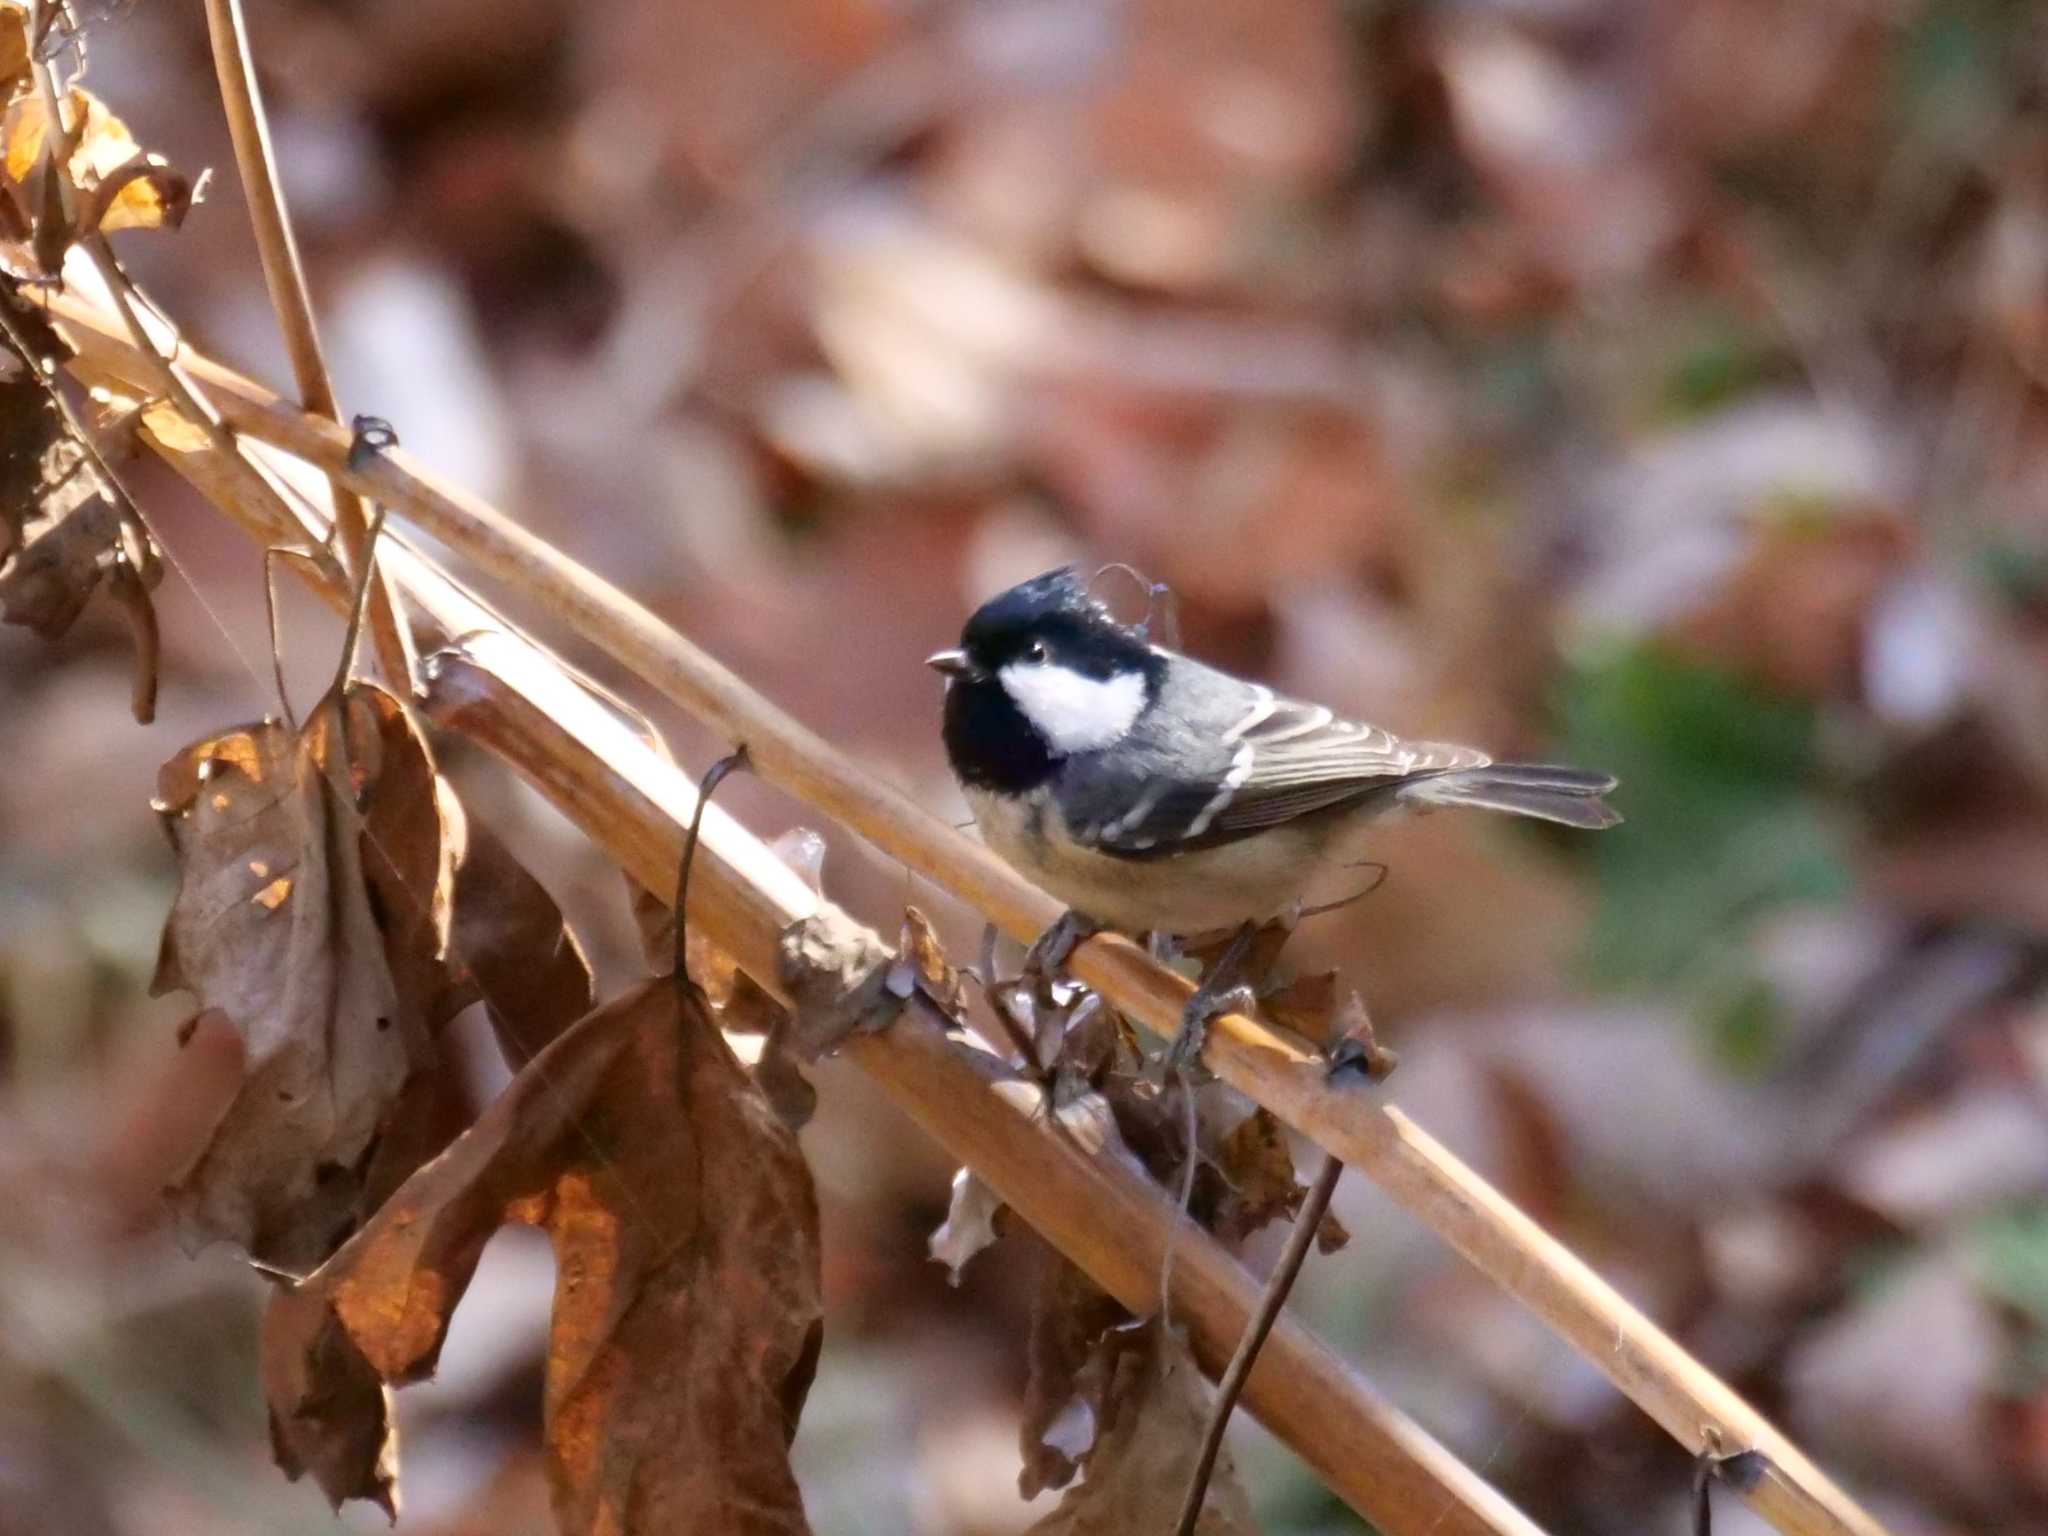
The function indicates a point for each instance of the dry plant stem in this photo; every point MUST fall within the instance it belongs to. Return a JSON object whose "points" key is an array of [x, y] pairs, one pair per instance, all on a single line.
{"points": [[158, 373], [286, 279], [1102, 1210], [1682, 1395], [1230, 1385]]}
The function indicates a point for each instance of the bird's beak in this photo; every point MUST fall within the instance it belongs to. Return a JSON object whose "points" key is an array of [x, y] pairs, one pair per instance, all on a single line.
{"points": [[952, 663]]}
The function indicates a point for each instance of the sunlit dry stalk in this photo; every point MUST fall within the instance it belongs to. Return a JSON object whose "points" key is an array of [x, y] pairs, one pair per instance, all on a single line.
{"points": [[1100, 1208], [1348, 1120], [286, 279]]}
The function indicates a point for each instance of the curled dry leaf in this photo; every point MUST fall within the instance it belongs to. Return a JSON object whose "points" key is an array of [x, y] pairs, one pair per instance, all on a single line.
{"points": [[63, 528], [686, 1318], [921, 964], [1070, 1316], [120, 415], [840, 980], [1153, 1407], [970, 1223], [121, 185], [312, 911], [751, 1011]]}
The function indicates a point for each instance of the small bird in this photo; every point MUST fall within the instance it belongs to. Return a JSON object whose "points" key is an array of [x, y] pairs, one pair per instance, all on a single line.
{"points": [[1154, 794]]}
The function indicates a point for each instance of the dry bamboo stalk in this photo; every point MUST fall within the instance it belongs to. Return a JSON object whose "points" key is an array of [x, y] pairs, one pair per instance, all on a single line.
{"points": [[1689, 1401], [1101, 1210], [249, 128]]}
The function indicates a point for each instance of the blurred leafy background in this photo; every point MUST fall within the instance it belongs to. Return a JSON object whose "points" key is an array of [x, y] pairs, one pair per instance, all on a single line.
{"points": [[1661, 385]]}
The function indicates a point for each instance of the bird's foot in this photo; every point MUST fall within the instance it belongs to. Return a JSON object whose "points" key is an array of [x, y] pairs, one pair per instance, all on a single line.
{"points": [[1048, 956], [1225, 989], [1184, 1052]]}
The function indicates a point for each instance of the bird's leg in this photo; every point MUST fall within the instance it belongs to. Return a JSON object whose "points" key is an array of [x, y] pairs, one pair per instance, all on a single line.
{"points": [[1226, 989], [1049, 954]]}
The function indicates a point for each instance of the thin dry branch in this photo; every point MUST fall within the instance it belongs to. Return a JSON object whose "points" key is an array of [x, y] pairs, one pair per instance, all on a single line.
{"points": [[1693, 1405], [1099, 1208], [1308, 1223], [249, 127]]}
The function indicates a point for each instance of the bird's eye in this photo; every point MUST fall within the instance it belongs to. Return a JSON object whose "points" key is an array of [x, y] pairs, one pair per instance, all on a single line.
{"points": [[1036, 651]]}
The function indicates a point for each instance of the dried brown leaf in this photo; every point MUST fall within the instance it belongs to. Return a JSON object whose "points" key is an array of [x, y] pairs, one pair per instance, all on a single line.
{"points": [[751, 1011], [1307, 1005], [1258, 964], [144, 192], [970, 1223], [509, 945], [1257, 1166], [330, 1412], [311, 910], [124, 186], [841, 981], [14, 53], [711, 968], [62, 532], [687, 1304], [1152, 1410], [171, 429], [921, 963], [1070, 1316], [64, 554]]}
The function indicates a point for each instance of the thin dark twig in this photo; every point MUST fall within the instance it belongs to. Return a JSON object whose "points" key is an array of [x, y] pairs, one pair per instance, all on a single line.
{"points": [[713, 777], [1239, 1370], [1184, 1202]]}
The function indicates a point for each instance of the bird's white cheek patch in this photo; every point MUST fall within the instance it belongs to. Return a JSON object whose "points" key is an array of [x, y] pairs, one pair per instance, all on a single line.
{"points": [[1074, 712]]}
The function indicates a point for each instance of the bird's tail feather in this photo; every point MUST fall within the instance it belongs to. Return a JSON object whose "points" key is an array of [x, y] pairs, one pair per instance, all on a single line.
{"points": [[1570, 796]]}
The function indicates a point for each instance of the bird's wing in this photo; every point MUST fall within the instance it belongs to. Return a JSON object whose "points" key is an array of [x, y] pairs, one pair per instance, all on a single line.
{"points": [[1275, 759]]}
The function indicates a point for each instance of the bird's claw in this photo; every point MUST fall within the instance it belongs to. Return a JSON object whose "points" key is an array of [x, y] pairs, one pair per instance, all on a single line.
{"points": [[1184, 1052], [1049, 954]]}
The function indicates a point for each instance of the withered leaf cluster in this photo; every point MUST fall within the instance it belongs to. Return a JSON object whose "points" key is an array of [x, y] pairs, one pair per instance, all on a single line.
{"points": [[686, 1322], [1149, 1406], [1114, 1401], [336, 908], [66, 528], [72, 170]]}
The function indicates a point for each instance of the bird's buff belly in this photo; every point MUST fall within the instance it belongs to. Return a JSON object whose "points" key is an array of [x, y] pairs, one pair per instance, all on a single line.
{"points": [[1220, 887]]}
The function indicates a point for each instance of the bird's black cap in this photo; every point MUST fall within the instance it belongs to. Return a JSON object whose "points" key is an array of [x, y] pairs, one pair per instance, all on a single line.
{"points": [[1058, 610]]}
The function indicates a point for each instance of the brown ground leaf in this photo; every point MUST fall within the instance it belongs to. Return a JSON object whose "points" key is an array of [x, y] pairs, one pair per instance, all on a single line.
{"points": [[1152, 1409], [311, 911], [687, 1300]]}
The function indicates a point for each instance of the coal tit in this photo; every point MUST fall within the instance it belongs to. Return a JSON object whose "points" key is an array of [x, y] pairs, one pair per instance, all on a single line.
{"points": [[1152, 793]]}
